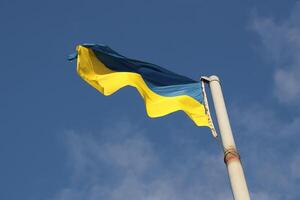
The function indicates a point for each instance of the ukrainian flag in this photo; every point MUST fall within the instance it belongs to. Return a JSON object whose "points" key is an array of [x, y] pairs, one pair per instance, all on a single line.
{"points": [[163, 91]]}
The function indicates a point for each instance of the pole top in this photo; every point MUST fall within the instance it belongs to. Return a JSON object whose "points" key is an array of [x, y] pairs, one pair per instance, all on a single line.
{"points": [[214, 78], [210, 79]]}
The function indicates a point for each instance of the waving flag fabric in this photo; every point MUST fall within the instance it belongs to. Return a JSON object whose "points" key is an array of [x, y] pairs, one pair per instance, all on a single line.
{"points": [[163, 91]]}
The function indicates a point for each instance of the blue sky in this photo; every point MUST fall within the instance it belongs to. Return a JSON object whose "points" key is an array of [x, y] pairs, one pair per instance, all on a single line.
{"points": [[62, 140]]}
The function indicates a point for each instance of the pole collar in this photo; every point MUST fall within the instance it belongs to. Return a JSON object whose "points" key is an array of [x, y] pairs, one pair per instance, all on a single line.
{"points": [[231, 154]]}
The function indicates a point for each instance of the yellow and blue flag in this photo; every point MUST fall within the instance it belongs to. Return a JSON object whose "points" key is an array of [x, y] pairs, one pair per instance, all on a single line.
{"points": [[163, 91]]}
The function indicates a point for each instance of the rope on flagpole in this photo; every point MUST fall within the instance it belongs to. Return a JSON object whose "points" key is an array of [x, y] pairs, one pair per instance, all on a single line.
{"points": [[210, 121]]}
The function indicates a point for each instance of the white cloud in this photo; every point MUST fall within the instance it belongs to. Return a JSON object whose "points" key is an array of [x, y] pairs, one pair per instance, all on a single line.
{"points": [[275, 153], [272, 154], [258, 120], [120, 163], [288, 84], [127, 166], [281, 42]]}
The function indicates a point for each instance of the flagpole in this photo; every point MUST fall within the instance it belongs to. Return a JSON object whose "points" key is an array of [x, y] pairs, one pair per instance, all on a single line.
{"points": [[231, 156]]}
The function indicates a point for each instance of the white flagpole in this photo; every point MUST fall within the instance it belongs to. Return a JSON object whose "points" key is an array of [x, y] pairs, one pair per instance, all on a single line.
{"points": [[231, 156]]}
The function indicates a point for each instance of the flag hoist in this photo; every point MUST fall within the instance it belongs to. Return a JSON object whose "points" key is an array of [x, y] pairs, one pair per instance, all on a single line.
{"points": [[163, 92]]}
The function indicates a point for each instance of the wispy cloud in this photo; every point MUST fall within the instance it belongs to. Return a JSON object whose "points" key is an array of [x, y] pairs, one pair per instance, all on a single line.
{"points": [[274, 155], [268, 123], [271, 151], [281, 42], [126, 165], [122, 163]]}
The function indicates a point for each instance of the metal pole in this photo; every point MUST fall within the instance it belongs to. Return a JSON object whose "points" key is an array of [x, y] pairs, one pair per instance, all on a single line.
{"points": [[231, 156]]}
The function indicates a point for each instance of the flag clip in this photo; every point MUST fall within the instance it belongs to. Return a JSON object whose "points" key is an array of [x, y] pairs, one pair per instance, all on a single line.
{"points": [[204, 80]]}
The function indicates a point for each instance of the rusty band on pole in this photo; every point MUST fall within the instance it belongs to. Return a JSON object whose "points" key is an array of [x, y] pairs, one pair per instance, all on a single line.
{"points": [[231, 154]]}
